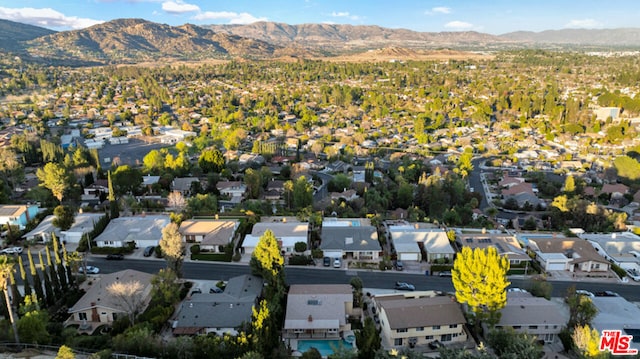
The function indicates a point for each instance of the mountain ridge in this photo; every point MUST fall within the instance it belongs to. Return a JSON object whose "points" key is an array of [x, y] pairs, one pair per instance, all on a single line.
{"points": [[134, 40]]}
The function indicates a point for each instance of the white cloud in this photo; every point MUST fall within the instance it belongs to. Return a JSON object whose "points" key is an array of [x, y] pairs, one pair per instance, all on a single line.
{"points": [[179, 7], [233, 17], [438, 10], [583, 23], [458, 25], [46, 17], [345, 14]]}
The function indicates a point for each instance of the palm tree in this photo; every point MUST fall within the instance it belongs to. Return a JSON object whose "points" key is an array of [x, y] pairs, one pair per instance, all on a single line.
{"points": [[6, 271]]}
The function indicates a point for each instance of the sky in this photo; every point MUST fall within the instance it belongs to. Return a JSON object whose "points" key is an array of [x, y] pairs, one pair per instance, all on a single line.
{"points": [[493, 17]]}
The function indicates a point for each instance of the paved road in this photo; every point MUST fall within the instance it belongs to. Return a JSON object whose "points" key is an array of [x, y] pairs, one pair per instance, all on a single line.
{"points": [[321, 275]]}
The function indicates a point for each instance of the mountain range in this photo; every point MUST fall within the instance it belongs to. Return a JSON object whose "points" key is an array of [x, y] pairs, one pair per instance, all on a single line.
{"points": [[136, 40]]}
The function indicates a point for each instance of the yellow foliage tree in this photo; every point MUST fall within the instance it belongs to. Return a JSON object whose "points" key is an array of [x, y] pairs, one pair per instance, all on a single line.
{"points": [[480, 279], [65, 353], [587, 341], [267, 254]]}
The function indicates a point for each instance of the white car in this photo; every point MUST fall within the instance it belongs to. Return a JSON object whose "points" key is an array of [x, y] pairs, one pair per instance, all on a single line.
{"points": [[517, 290], [12, 250], [633, 274], [585, 293], [90, 270], [337, 263]]}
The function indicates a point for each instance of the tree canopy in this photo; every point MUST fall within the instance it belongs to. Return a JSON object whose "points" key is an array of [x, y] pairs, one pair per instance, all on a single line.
{"points": [[480, 280], [55, 178]]}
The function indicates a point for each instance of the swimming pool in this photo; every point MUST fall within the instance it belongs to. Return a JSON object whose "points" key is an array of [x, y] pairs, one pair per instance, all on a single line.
{"points": [[325, 347]]}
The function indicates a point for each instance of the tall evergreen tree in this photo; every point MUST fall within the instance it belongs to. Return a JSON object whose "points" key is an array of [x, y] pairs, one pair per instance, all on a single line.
{"points": [[23, 276], [68, 267], [17, 296], [60, 270], [37, 281], [48, 289], [113, 204], [53, 274]]}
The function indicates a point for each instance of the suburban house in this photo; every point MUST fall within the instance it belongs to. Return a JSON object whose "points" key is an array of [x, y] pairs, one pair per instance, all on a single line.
{"points": [[219, 313], [349, 241], [616, 313], [82, 223], [17, 215], [287, 232], [617, 247], [274, 191], [212, 235], [506, 244], [183, 185], [417, 320], [532, 315], [319, 312], [233, 190], [98, 306], [144, 231], [410, 241], [574, 255]]}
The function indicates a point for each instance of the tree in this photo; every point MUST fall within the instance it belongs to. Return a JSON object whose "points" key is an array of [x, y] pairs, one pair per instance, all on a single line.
{"points": [[173, 248], [126, 180], [506, 343], [55, 178], [211, 160], [569, 184], [33, 323], [176, 200], [560, 202], [541, 288], [65, 353], [480, 280], [312, 353], [114, 211], [6, 270], [581, 308], [153, 162], [339, 183], [64, 217], [267, 258], [129, 297], [368, 339], [587, 341], [165, 287]]}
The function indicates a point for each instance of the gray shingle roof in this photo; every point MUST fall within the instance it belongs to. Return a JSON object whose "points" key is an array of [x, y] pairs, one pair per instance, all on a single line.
{"points": [[364, 238]]}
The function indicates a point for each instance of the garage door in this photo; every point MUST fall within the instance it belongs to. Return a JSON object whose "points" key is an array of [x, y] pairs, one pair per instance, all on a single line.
{"points": [[408, 256], [332, 254], [555, 266]]}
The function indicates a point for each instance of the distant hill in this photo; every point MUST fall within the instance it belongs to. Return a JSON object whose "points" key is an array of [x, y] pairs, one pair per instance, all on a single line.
{"points": [[343, 38], [134, 40], [138, 40], [624, 37], [12, 34]]}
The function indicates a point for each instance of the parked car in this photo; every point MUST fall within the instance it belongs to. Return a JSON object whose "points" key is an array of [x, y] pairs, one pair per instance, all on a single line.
{"points": [[337, 263], [148, 251], [435, 345], [606, 293], [585, 293], [215, 290], [90, 270], [517, 290], [115, 256], [326, 261], [12, 250], [444, 274], [405, 286], [399, 265], [633, 274], [196, 291]]}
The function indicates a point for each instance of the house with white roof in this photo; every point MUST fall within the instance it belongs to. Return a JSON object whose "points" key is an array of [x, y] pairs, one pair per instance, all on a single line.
{"points": [[144, 231], [616, 313], [82, 223], [357, 242], [617, 247], [17, 215], [212, 235], [410, 241], [287, 233]]}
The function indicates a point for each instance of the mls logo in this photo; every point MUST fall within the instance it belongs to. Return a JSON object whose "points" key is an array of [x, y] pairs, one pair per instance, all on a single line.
{"points": [[616, 343]]}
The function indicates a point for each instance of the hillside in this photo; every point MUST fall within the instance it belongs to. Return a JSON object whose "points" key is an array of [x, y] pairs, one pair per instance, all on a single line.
{"points": [[343, 38], [134, 40], [628, 37], [12, 34]]}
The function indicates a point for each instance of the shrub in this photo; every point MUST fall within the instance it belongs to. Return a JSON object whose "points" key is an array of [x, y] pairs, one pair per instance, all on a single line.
{"points": [[300, 247], [299, 260], [317, 253], [236, 257], [619, 271], [441, 268], [195, 249]]}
